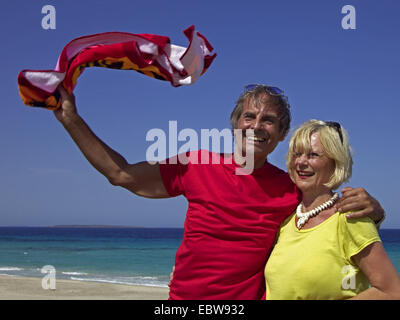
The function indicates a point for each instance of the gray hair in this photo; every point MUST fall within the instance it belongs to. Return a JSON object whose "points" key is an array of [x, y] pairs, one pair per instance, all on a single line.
{"points": [[257, 94]]}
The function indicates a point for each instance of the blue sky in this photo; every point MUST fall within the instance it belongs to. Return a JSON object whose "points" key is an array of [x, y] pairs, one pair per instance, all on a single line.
{"points": [[349, 76]]}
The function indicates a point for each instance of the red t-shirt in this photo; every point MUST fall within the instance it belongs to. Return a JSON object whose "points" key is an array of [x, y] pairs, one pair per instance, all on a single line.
{"points": [[230, 226]]}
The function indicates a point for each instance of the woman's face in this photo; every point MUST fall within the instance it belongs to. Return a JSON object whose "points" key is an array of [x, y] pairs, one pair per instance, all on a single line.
{"points": [[311, 170]]}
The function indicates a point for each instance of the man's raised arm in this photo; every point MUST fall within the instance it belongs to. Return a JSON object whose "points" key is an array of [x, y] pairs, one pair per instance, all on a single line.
{"points": [[142, 178]]}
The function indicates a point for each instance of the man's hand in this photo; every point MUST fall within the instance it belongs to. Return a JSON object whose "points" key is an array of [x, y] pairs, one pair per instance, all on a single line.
{"points": [[359, 200], [68, 107]]}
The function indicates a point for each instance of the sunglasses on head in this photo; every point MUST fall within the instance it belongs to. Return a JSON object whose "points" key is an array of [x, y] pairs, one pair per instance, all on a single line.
{"points": [[273, 91], [336, 126]]}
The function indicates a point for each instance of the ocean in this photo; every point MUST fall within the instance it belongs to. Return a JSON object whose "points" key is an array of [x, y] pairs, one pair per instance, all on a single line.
{"points": [[134, 256], [137, 256]]}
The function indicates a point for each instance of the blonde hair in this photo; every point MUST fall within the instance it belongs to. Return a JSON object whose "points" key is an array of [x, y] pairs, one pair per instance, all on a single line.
{"points": [[334, 147]]}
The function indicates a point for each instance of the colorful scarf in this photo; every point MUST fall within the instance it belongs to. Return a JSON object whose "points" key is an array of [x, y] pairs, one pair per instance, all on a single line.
{"points": [[149, 54]]}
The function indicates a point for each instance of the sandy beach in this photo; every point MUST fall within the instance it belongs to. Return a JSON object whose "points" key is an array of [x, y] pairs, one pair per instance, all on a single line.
{"points": [[20, 288]]}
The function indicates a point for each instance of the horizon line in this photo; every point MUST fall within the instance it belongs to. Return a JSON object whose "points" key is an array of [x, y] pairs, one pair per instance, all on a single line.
{"points": [[88, 226], [110, 226]]}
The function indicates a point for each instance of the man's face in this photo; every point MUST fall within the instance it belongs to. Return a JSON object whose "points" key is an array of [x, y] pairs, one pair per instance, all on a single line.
{"points": [[262, 117]]}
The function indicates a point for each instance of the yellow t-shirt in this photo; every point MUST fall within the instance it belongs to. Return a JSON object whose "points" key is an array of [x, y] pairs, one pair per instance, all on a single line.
{"points": [[316, 263]]}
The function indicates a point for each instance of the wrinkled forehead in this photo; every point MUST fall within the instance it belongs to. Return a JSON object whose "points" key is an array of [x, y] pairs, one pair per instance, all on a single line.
{"points": [[261, 103], [259, 100]]}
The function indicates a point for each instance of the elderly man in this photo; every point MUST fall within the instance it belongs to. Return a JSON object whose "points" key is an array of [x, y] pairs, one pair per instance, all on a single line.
{"points": [[232, 216]]}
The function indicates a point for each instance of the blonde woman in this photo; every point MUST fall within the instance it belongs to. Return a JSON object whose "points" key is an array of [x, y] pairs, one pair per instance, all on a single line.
{"points": [[319, 254]]}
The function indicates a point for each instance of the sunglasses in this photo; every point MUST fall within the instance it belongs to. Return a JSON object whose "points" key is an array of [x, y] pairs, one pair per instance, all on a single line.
{"points": [[273, 91], [336, 126]]}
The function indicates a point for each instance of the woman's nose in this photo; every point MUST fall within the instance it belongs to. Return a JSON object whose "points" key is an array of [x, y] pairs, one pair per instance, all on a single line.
{"points": [[302, 159]]}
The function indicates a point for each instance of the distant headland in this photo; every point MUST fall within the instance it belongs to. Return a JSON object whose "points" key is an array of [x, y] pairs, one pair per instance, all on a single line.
{"points": [[94, 226]]}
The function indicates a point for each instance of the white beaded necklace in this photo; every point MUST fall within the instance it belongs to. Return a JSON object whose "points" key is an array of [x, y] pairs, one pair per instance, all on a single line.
{"points": [[303, 217]]}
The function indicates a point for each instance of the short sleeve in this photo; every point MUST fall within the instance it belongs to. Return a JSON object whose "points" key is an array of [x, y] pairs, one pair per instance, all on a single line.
{"points": [[357, 234], [171, 174]]}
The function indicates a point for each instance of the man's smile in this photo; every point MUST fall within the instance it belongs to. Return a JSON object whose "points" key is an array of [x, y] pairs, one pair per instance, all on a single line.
{"points": [[256, 139]]}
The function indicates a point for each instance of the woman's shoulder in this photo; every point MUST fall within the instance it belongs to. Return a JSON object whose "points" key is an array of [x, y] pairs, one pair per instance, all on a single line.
{"points": [[364, 222], [355, 234]]}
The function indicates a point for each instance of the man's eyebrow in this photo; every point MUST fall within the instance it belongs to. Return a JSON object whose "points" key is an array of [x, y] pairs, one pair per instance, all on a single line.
{"points": [[265, 116], [270, 116], [248, 113]]}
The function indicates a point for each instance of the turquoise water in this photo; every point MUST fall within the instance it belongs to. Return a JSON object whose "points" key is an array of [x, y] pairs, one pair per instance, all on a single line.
{"points": [[142, 256], [129, 256], [391, 242]]}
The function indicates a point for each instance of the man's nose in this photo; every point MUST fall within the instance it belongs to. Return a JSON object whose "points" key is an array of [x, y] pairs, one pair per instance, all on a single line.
{"points": [[256, 124]]}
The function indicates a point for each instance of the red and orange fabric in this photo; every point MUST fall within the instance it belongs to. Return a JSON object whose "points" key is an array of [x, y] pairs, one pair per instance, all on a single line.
{"points": [[149, 54]]}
